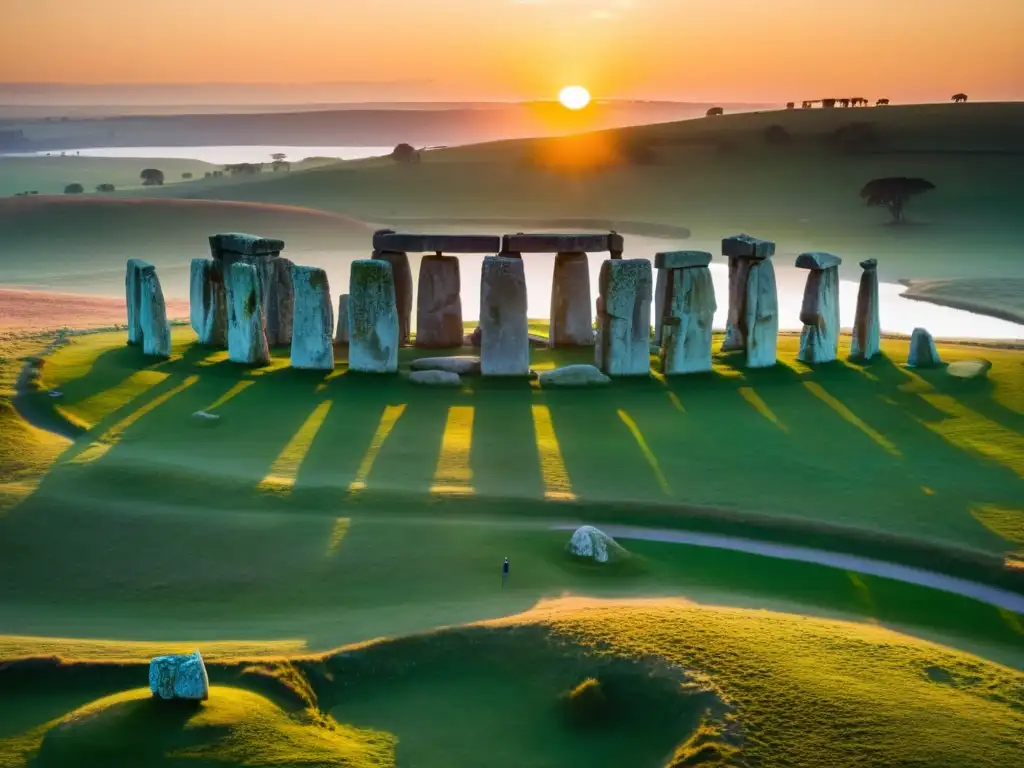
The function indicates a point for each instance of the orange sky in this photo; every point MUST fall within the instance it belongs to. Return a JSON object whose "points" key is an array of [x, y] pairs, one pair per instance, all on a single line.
{"points": [[729, 50]]}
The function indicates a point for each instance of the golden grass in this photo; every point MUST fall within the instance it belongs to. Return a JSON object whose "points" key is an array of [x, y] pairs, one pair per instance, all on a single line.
{"points": [[388, 419], [454, 475], [285, 469], [557, 484]]}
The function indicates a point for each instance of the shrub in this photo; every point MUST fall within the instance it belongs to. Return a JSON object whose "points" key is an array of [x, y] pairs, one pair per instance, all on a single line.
{"points": [[586, 705], [714, 112], [105, 187], [405, 154], [152, 177], [74, 189]]}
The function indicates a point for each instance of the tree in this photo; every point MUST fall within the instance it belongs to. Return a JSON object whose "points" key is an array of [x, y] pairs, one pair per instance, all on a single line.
{"points": [[186, 175], [882, 103], [959, 97], [777, 135], [74, 189], [105, 187], [277, 157], [790, 105], [714, 112], [856, 137], [894, 193], [828, 103], [152, 177], [405, 154]]}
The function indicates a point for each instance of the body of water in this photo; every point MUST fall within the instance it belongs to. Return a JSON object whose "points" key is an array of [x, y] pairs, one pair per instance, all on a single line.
{"points": [[219, 155]]}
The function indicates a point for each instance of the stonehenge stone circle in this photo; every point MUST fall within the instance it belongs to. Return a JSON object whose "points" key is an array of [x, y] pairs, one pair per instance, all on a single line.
{"points": [[571, 321], [625, 321], [179, 677], [156, 331], [439, 303], [688, 312], [341, 335], [372, 318], [247, 327], [461, 364], [923, 353], [819, 341], [231, 248], [504, 342], [867, 327], [313, 325], [401, 276], [133, 297], [208, 303], [753, 321], [573, 376]]}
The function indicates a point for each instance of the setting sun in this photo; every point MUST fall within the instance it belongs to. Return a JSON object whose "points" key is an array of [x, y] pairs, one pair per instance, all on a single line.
{"points": [[574, 97]]}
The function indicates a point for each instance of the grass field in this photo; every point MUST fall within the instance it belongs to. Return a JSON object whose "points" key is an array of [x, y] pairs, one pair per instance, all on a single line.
{"points": [[50, 175]]}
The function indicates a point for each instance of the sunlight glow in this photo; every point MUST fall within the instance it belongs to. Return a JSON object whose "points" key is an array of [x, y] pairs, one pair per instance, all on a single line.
{"points": [[557, 485], [574, 97], [285, 469], [454, 475], [646, 450]]}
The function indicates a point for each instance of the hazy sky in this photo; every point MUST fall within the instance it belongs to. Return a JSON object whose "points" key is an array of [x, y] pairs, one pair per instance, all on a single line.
{"points": [[728, 50]]}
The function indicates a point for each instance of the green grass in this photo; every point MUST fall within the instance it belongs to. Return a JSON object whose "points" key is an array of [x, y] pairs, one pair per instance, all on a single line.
{"points": [[50, 175]]}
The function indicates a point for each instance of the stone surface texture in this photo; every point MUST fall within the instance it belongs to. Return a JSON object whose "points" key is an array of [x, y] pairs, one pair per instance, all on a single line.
{"points": [[179, 677], [156, 330], [594, 544], [571, 322], [681, 259], [504, 338], [461, 364], [372, 318], [867, 325], [243, 245], [625, 321], [969, 369], [574, 376], [280, 303], [313, 325], [761, 316], [208, 304], [341, 335], [817, 260], [401, 275], [819, 340], [439, 303], [923, 353], [133, 297], [247, 328], [747, 247], [435, 378], [689, 315]]}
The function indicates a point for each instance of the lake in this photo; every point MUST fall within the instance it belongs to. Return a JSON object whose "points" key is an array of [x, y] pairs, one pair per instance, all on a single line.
{"points": [[222, 155]]}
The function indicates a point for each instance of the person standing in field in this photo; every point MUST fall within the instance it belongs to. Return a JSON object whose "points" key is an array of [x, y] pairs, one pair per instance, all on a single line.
{"points": [[504, 572]]}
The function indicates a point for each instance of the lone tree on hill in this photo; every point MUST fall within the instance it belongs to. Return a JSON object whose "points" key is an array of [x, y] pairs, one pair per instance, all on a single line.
{"points": [[714, 112], [959, 97], [104, 187], [882, 103], [894, 193], [406, 154], [74, 189], [152, 177]]}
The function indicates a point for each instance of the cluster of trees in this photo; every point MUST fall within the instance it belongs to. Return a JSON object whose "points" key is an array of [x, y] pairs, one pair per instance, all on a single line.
{"points": [[26, 194], [893, 193], [152, 177]]}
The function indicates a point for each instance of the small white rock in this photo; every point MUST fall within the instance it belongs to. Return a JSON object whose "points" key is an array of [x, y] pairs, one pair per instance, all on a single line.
{"points": [[205, 416], [461, 364]]}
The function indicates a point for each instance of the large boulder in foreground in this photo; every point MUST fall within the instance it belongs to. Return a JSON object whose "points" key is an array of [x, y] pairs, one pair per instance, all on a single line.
{"points": [[593, 544], [373, 324], [460, 364], [312, 343], [504, 331], [179, 677], [247, 323], [923, 353], [574, 376], [208, 303]]}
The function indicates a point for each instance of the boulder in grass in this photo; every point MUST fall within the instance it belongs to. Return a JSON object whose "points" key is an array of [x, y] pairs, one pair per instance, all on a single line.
{"points": [[593, 544], [969, 369], [460, 364], [574, 376], [435, 378], [179, 677], [923, 353]]}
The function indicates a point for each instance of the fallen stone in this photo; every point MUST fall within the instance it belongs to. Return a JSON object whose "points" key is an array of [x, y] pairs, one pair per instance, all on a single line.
{"points": [[969, 369], [179, 677], [461, 364], [341, 335], [208, 303], [403, 242], [312, 343], [819, 340], [923, 353], [625, 321], [372, 318], [247, 329], [439, 303], [593, 544], [867, 325], [504, 342], [205, 416], [156, 330], [687, 325], [681, 259], [55, 393], [747, 247], [573, 376], [571, 322], [401, 275], [280, 303], [133, 297], [435, 378]]}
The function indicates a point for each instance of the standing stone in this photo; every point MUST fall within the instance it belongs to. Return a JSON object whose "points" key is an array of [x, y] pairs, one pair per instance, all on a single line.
{"points": [[598, 311], [179, 677], [313, 324], [207, 303], [401, 275], [133, 297], [867, 326], [689, 315], [745, 253], [341, 336], [156, 331], [280, 303], [660, 289], [819, 341], [626, 291], [372, 318], [571, 322], [439, 303], [247, 328], [761, 321], [504, 342], [923, 353]]}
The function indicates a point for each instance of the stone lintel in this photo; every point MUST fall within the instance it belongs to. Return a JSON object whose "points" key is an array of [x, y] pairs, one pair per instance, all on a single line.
{"points": [[747, 247], [681, 259], [554, 243], [244, 245], [404, 242], [817, 260]]}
